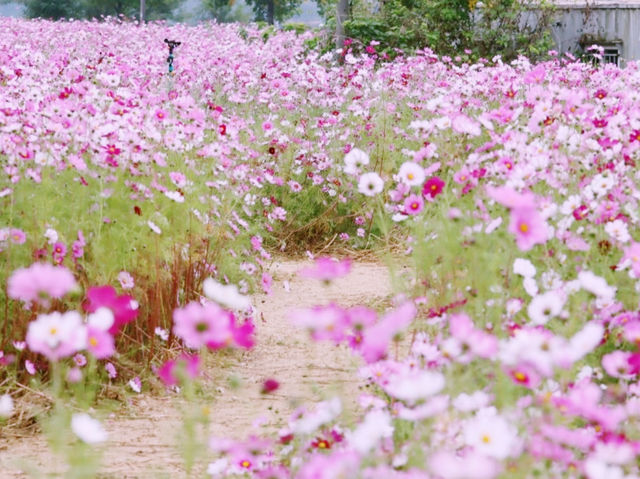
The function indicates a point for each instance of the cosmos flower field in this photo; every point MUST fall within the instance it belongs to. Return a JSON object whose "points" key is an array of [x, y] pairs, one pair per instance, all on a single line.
{"points": [[140, 211]]}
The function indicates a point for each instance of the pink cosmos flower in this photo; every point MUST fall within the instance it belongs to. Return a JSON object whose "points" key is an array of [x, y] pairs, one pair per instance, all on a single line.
{"points": [[413, 205], [59, 252], [171, 371], [323, 322], [529, 228], [100, 343], [77, 248], [510, 198], [17, 236], [632, 254], [124, 308], [617, 364], [111, 370], [326, 269], [267, 281], [203, 325], [39, 282], [125, 279], [473, 465], [376, 339]]}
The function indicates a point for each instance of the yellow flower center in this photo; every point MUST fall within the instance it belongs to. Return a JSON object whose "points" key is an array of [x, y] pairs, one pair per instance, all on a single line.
{"points": [[520, 377], [410, 176], [246, 464], [53, 331], [93, 341], [486, 439], [524, 227]]}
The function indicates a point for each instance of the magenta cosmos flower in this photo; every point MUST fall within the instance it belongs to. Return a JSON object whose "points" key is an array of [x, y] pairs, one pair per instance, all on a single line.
{"points": [[124, 308], [171, 371], [433, 187], [39, 282]]}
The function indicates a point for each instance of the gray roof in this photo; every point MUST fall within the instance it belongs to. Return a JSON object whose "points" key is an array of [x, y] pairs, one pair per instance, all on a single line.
{"points": [[596, 3]]}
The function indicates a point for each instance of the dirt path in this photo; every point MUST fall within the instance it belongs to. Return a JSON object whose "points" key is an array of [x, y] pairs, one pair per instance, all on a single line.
{"points": [[142, 444]]}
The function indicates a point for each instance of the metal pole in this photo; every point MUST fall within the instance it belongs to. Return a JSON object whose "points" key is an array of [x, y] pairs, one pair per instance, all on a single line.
{"points": [[342, 14], [142, 2]]}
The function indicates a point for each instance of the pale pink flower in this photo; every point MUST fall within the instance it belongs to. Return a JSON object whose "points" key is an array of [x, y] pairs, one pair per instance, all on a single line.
{"points": [[39, 282], [100, 343], [126, 280], [491, 434], [57, 335], [201, 324], [327, 269], [472, 465], [632, 253], [411, 173], [376, 339], [370, 184], [529, 228]]}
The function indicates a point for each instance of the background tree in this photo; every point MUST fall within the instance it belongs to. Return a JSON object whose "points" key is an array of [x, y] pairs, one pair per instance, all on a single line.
{"points": [[53, 9], [273, 10], [154, 9], [225, 11], [454, 27]]}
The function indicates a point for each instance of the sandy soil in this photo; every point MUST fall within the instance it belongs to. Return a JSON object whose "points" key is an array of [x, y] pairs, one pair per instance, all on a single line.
{"points": [[142, 442]]}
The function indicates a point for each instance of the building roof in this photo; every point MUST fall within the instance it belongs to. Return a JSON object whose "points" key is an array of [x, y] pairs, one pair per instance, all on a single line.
{"points": [[596, 3]]}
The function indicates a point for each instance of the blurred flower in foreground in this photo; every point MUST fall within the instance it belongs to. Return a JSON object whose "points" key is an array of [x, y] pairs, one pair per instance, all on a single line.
{"points": [[88, 429]]}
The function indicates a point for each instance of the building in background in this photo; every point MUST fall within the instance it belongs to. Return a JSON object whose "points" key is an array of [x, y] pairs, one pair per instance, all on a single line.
{"points": [[611, 24]]}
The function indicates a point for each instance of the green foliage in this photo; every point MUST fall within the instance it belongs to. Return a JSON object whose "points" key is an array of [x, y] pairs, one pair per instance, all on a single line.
{"points": [[299, 28], [510, 28], [455, 27]]}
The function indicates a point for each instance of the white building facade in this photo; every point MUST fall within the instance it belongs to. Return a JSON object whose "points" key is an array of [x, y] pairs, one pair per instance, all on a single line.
{"points": [[612, 24]]}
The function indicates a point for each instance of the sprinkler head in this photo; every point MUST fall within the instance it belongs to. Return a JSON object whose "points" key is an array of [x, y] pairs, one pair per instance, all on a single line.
{"points": [[172, 44]]}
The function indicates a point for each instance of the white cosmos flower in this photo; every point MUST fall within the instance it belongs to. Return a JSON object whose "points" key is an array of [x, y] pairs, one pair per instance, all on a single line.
{"points": [[491, 434], [370, 184], [325, 412], [88, 429], [411, 173], [544, 307], [530, 286], [596, 285], [226, 295], [524, 267], [154, 227], [414, 386], [376, 426], [175, 196], [102, 319], [6, 406], [469, 402], [618, 231], [354, 160]]}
